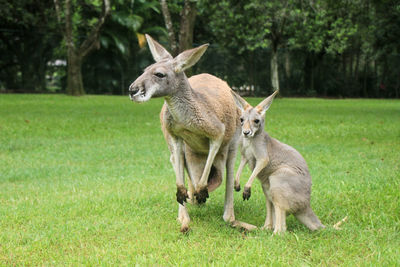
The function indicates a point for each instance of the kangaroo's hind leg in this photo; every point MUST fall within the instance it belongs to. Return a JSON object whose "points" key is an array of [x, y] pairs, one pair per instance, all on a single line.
{"points": [[269, 220], [280, 195], [280, 219]]}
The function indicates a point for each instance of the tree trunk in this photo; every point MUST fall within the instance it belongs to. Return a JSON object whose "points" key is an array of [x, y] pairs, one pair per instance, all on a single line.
{"points": [[287, 64], [74, 82], [351, 63], [26, 85], [366, 63], [396, 89], [170, 28], [382, 85], [188, 17], [344, 87], [185, 36], [357, 83], [344, 65], [305, 87], [312, 73], [274, 68], [76, 55], [376, 79]]}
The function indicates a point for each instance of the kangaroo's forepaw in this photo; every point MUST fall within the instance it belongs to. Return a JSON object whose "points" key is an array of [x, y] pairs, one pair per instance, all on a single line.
{"points": [[237, 188], [181, 195], [246, 193], [201, 195]]}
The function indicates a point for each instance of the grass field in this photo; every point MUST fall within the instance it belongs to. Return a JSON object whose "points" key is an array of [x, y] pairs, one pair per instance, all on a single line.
{"points": [[87, 181]]}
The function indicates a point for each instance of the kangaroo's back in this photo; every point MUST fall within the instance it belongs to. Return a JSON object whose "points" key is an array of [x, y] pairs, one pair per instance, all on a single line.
{"points": [[213, 95], [282, 155]]}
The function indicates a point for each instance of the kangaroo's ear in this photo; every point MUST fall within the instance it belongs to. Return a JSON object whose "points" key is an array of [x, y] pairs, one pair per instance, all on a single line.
{"points": [[266, 103], [188, 58], [240, 102], [158, 51]]}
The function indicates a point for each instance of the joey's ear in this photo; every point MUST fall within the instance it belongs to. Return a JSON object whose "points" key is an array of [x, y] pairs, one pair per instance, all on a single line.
{"points": [[158, 51], [240, 102], [266, 103], [188, 58]]}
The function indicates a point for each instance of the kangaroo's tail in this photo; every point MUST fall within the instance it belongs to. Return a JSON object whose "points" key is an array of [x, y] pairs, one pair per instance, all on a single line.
{"points": [[309, 219]]}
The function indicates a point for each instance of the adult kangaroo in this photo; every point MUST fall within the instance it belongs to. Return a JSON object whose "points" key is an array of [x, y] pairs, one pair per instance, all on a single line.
{"points": [[200, 122]]}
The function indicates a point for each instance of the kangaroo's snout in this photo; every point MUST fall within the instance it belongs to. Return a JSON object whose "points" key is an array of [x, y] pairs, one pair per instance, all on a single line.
{"points": [[133, 90], [138, 92]]}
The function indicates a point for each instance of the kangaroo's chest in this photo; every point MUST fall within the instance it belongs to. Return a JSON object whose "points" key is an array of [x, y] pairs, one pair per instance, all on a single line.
{"points": [[192, 138], [188, 130], [253, 152]]}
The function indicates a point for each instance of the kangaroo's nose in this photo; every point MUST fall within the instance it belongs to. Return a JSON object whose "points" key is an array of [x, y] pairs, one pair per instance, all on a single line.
{"points": [[246, 132], [133, 90]]}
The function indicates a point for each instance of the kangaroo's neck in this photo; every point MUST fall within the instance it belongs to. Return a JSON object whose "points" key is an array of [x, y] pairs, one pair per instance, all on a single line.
{"points": [[180, 102], [260, 136]]}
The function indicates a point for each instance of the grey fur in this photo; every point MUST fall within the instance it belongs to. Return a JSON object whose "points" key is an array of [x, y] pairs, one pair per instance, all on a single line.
{"points": [[283, 172]]}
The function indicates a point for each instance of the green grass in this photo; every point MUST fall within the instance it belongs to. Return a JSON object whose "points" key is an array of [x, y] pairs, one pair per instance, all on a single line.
{"points": [[87, 181]]}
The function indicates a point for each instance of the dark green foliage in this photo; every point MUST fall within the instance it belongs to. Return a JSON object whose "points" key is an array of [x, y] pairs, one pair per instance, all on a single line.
{"points": [[324, 48], [27, 41], [111, 69]]}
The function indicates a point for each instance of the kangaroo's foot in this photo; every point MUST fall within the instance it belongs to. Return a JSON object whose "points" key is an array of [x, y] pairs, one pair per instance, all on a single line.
{"points": [[185, 229], [246, 193], [243, 225], [183, 218], [237, 187], [181, 194], [201, 194], [268, 227]]}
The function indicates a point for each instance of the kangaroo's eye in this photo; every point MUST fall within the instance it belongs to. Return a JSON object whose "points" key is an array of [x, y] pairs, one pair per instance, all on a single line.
{"points": [[160, 75], [241, 120], [256, 121]]}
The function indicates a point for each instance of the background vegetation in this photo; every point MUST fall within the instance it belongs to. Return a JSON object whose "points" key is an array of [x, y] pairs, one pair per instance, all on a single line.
{"points": [[87, 181], [306, 48]]}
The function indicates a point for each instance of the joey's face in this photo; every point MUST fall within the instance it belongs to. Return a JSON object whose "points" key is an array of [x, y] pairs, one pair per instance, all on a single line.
{"points": [[154, 82], [252, 121]]}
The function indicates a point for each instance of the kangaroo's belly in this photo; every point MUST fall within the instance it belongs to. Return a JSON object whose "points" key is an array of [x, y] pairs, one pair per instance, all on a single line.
{"points": [[197, 143]]}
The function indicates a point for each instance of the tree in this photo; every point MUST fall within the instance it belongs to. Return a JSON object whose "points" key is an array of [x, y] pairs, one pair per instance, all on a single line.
{"points": [[120, 59], [327, 30], [188, 16], [28, 38], [254, 24], [74, 22], [387, 47]]}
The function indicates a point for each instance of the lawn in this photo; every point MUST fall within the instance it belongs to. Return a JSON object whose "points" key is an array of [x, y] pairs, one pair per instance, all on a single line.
{"points": [[87, 181]]}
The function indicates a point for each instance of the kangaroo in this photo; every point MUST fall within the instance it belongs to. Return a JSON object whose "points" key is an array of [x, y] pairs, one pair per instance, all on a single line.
{"points": [[200, 122], [283, 172]]}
